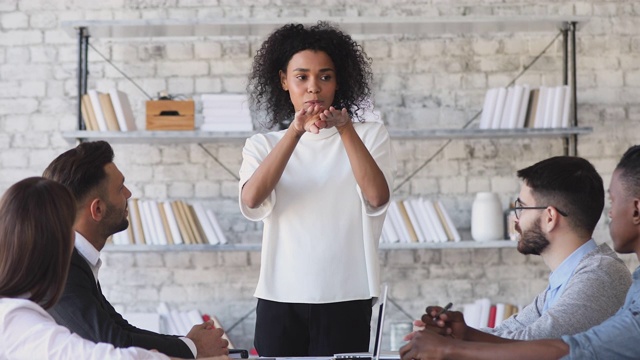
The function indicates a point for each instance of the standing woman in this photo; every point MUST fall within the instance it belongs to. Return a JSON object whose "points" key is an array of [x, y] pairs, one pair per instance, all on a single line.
{"points": [[321, 188]]}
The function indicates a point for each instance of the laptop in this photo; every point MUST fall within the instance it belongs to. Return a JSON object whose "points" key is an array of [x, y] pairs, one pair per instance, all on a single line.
{"points": [[377, 345]]}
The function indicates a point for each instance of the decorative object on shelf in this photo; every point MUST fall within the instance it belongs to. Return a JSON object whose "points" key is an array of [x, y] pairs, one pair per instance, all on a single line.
{"points": [[486, 217], [170, 115]]}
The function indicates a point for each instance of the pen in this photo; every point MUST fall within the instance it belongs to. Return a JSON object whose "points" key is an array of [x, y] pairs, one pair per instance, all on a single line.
{"points": [[444, 310]]}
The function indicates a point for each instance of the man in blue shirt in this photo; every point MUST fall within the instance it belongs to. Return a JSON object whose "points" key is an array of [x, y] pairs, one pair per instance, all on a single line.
{"points": [[615, 338], [559, 205]]}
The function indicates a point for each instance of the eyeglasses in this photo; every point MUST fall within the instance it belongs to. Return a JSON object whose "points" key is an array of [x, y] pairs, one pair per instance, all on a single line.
{"points": [[518, 209]]}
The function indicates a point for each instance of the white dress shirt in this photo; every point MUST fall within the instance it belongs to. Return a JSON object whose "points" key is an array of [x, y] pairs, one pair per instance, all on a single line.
{"points": [[28, 332]]}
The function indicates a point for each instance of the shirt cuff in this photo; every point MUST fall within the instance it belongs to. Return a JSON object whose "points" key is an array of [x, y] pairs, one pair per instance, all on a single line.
{"points": [[191, 345]]}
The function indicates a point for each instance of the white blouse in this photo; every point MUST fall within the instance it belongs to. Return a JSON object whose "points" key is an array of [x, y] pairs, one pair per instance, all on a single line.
{"points": [[320, 238], [28, 332]]}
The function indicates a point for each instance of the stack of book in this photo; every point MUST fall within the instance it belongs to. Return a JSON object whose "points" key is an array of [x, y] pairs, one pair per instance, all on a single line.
{"points": [[418, 220], [482, 314], [107, 111], [225, 112], [519, 107], [169, 222]]}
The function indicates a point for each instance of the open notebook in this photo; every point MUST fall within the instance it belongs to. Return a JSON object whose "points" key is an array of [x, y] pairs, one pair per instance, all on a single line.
{"points": [[377, 345]]}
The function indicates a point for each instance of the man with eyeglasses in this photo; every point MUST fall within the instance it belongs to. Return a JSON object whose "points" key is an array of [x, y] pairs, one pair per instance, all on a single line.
{"points": [[616, 338], [560, 202]]}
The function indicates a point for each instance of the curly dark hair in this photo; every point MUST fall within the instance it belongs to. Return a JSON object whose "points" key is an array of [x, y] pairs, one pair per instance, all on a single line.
{"points": [[353, 70]]}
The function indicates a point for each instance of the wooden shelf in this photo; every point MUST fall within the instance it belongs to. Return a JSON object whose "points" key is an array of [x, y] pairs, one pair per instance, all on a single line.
{"points": [[156, 137], [356, 26], [467, 244]]}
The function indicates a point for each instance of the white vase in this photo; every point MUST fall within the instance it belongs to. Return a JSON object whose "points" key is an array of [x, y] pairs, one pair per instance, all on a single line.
{"points": [[487, 222]]}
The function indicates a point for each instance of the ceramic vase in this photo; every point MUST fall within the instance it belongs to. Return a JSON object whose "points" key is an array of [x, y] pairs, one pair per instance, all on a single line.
{"points": [[487, 222]]}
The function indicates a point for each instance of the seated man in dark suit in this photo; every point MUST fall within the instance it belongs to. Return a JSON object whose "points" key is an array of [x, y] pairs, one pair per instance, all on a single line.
{"points": [[101, 198]]}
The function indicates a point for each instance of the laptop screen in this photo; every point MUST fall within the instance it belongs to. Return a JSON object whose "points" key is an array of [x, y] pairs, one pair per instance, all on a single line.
{"points": [[377, 345]]}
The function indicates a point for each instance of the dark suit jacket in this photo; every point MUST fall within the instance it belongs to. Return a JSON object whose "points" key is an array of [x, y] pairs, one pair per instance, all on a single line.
{"points": [[84, 310]]}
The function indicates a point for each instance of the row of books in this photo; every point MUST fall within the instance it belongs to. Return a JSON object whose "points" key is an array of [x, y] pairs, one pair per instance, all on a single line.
{"points": [[483, 314], [169, 222], [171, 322], [109, 111], [519, 107], [418, 220], [225, 112]]}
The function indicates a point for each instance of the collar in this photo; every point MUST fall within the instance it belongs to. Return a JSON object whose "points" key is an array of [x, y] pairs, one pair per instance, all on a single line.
{"points": [[566, 268], [89, 253]]}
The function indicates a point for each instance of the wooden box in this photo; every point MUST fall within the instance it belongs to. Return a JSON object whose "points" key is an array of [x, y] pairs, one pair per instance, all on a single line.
{"points": [[170, 115]]}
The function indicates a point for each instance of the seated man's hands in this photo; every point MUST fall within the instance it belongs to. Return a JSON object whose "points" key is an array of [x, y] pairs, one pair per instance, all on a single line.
{"points": [[425, 344], [208, 340], [451, 323]]}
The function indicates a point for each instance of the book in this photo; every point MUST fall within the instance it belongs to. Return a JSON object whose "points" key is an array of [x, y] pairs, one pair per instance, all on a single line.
{"points": [[417, 224], [509, 104], [207, 227], [165, 223], [488, 108], [523, 107], [216, 226], [123, 111], [500, 102], [229, 126], [450, 225], [108, 112], [441, 235], [173, 223], [532, 108], [407, 222], [147, 225], [539, 121], [500, 307], [548, 107], [156, 220], [185, 231], [424, 219], [398, 222], [136, 223], [97, 110], [557, 108], [491, 323], [443, 221], [88, 116], [193, 222]]}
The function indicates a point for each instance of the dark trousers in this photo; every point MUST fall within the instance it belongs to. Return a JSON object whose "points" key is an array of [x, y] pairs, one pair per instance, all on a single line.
{"points": [[286, 329]]}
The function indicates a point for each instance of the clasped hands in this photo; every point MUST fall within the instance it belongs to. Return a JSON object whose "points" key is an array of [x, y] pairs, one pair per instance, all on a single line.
{"points": [[432, 336], [316, 117]]}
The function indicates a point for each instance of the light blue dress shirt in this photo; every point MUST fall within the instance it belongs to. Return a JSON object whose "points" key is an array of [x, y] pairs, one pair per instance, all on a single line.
{"points": [[617, 337], [558, 279]]}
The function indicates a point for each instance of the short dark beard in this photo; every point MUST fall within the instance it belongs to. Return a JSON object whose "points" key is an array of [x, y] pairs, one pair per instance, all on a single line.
{"points": [[532, 241]]}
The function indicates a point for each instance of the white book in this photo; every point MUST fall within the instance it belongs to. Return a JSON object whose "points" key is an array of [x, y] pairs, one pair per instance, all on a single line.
{"points": [[145, 321], [94, 96], [235, 113], [499, 314], [558, 103], [195, 318], [450, 224], [514, 110], [134, 214], [398, 222], [508, 106], [441, 235], [485, 307], [424, 220], [207, 227], [488, 108], [122, 108], [548, 107], [223, 99], [471, 313], [216, 227], [415, 221], [566, 107], [182, 328], [157, 223], [389, 231], [524, 106], [147, 225], [171, 328], [497, 114], [173, 223], [540, 109]]}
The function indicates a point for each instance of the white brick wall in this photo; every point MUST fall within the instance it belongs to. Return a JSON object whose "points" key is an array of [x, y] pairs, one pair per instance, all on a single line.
{"points": [[420, 82]]}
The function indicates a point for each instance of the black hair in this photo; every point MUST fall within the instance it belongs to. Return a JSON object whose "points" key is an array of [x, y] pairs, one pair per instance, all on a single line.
{"points": [[81, 169], [353, 70], [629, 167], [572, 185]]}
